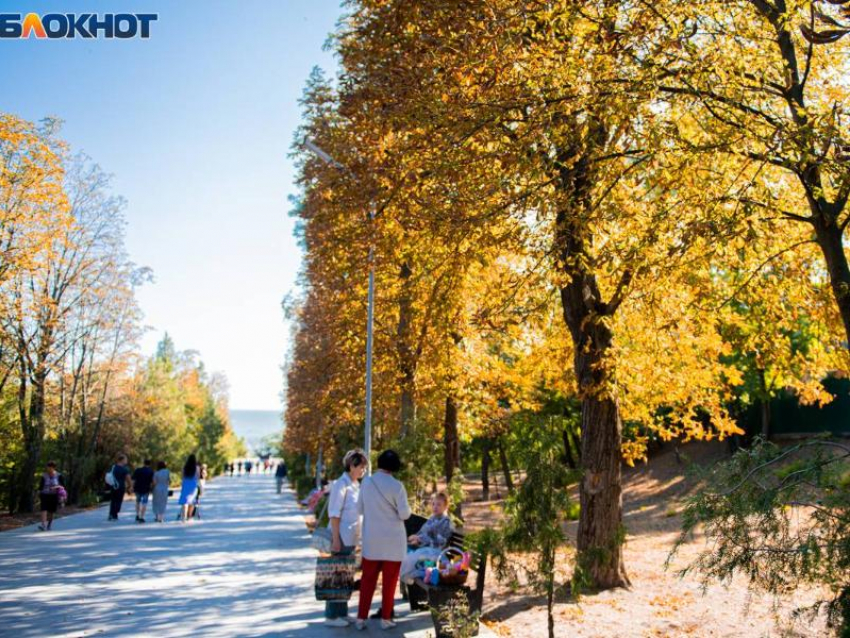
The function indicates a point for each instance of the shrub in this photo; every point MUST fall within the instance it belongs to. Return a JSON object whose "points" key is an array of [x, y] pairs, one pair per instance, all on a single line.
{"points": [[750, 508]]}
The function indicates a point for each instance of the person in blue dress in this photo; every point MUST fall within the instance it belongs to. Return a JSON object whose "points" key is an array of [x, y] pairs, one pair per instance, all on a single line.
{"points": [[189, 487]]}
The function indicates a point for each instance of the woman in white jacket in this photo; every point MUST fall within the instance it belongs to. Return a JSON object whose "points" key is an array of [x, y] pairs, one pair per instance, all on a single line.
{"points": [[383, 504]]}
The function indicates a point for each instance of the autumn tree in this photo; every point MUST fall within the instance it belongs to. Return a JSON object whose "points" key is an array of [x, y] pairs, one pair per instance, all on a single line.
{"points": [[552, 153], [101, 326], [543, 121], [69, 328], [769, 107]]}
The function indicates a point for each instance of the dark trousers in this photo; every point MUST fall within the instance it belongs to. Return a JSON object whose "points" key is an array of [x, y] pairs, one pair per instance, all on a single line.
{"points": [[115, 501]]}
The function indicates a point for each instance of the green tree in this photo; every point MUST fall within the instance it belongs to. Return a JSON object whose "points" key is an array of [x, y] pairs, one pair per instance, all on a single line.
{"points": [[535, 513], [160, 429]]}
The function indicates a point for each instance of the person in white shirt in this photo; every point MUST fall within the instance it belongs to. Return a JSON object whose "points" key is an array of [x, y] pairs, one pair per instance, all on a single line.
{"points": [[383, 503], [344, 521]]}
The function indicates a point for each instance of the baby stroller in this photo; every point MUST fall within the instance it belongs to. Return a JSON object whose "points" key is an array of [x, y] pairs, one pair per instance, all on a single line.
{"points": [[196, 508], [196, 511]]}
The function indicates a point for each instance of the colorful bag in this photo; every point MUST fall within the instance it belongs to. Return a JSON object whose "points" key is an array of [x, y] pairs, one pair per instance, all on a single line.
{"points": [[335, 576]]}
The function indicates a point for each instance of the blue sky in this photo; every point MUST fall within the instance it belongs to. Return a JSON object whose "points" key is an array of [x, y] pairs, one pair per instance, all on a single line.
{"points": [[195, 124]]}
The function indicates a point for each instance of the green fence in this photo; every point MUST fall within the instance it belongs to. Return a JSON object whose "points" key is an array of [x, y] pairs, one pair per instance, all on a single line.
{"points": [[788, 417]]}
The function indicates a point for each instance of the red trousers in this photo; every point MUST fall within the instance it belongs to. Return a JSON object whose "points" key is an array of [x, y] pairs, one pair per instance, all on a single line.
{"points": [[369, 580]]}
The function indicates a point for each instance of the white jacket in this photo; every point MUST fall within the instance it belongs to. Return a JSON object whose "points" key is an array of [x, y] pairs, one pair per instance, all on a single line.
{"points": [[383, 504]]}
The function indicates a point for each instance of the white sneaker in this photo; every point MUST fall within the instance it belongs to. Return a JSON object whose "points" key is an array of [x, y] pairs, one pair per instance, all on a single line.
{"points": [[360, 625], [336, 622], [387, 624]]}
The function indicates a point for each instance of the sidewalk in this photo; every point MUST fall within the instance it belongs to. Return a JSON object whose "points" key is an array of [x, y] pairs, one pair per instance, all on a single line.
{"points": [[246, 569]]}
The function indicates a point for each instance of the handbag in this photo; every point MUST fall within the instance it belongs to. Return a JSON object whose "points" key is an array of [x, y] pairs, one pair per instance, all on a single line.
{"points": [[335, 576], [322, 540]]}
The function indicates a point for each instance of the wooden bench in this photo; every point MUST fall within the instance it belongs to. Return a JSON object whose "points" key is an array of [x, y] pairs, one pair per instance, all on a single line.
{"points": [[422, 595]]}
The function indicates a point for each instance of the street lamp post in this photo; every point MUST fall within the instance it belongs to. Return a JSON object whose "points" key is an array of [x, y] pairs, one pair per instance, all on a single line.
{"points": [[370, 308]]}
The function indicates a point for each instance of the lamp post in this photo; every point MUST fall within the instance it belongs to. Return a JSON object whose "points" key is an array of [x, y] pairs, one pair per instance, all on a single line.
{"points": [[370, 306]]}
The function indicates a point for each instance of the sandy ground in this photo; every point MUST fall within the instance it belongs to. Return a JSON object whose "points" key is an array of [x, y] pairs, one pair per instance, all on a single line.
{"points": [[659, 603]]}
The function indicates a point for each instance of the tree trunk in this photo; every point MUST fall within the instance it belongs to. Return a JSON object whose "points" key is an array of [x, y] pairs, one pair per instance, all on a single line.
{"points": [[485, 471], [506, 470], [600, 529], [587, 315], [32, 426], [451, 439], [829, 237]]}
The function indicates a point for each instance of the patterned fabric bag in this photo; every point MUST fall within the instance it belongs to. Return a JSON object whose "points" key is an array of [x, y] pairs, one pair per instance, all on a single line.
{"points": [[335, 576]]}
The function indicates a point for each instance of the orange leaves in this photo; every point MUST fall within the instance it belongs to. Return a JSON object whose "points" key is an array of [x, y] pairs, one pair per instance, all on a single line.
{"points": [[34, 209]]}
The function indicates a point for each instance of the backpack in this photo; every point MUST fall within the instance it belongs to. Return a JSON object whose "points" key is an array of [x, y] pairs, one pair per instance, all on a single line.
{"points": [[110, 479]]}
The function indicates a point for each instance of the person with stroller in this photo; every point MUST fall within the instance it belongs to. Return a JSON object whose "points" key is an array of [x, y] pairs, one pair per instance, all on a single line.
{"points": [[189, 488]]}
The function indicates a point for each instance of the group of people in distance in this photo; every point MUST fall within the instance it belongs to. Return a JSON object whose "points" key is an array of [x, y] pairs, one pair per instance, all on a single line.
{"points": [[264, 465], [149, 486], [370, 512], [143, 482]]}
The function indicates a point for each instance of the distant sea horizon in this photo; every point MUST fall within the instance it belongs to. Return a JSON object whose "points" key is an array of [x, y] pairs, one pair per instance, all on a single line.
{"points": [[255, 425]]}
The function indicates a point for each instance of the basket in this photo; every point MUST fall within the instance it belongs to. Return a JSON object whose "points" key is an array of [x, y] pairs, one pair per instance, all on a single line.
{"points": [[450, 572]]}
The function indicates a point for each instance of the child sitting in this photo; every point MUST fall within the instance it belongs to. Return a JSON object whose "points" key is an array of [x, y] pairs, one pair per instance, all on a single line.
{"points": [[430, 540]]}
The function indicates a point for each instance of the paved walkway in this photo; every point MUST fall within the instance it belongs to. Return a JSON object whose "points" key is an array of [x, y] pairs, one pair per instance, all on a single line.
{"points": [[246, 569]]}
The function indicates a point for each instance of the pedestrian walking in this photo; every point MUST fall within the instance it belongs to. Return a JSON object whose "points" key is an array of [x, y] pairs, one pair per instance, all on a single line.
{"points": [[189, 487], [161, 485], [142, 484], [384, 507], [280, 475], [239, 465], [118, 479], [248, 466], [51, 487]]}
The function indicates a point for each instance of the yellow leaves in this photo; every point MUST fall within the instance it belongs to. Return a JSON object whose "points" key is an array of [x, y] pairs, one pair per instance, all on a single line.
{"points": [[634, 450], [555, 118], [734, 376]]}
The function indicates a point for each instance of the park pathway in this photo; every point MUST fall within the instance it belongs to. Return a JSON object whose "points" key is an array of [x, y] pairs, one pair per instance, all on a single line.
{"points": [[246, 569]]}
